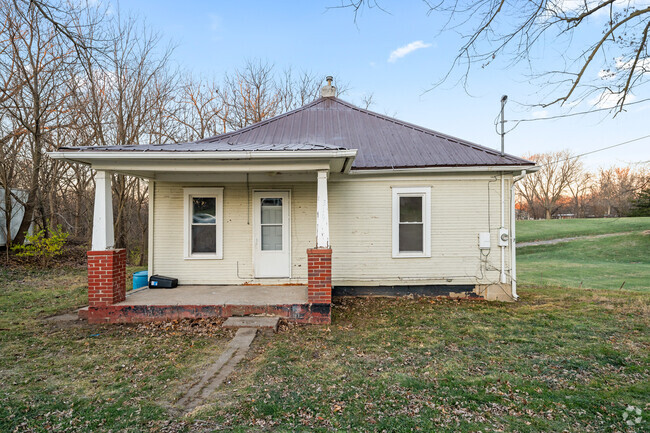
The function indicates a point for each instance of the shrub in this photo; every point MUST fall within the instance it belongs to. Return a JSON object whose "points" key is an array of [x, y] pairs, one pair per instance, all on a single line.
{"points": [[42, 248]]}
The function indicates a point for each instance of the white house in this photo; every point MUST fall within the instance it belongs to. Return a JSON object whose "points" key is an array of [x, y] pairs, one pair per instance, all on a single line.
{"points": [[326, 199]]}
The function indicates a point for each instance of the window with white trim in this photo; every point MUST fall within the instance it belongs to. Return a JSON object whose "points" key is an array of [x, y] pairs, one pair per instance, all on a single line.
{"points": [[203, 223], [412, 222]]}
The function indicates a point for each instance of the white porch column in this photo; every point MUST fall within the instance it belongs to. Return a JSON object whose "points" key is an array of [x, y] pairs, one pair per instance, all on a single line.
{"points": [[103, 216], [322, 214]]}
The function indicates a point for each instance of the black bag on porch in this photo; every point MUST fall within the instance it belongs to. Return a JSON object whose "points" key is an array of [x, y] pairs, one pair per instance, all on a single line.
{"points": [[160, 282]]}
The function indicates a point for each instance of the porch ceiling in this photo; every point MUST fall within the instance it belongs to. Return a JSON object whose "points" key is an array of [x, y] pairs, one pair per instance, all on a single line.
{"points": [[219, 295]]}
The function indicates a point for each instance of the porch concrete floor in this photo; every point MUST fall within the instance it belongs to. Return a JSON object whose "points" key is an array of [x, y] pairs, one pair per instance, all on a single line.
{"points": [[219, 295]]}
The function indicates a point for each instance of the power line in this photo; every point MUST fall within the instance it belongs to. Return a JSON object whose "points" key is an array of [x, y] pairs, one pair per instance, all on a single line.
{"points": [[560, 116], [600, 150]]}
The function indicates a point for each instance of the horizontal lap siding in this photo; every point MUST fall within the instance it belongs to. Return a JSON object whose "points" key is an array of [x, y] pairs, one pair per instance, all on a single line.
{"points": [[237, 234], [360, 232], [361, 227]]}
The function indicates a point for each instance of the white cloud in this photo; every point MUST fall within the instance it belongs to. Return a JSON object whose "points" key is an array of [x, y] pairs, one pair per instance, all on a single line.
{"points": [[609, 99], [604, 74], [406, 49], [642, 67], [540, 114]]}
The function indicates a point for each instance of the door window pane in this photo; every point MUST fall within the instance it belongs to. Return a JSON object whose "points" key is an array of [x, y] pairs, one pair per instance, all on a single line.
{"points": [[410, 237], [410, 209], [204, 210], [271, 211], [272, 238], [272, 201], [204, 239]]}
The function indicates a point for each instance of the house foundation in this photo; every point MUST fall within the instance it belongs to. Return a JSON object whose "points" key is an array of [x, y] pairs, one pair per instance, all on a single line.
{"points": [[495, 292], [119, 313]]}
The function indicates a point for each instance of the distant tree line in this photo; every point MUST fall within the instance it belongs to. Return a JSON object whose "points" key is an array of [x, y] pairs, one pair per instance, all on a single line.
{"points": [[74, 75], [563, 188]]}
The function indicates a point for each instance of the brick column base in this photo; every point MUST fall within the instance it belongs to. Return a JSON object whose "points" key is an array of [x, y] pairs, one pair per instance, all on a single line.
{"points": [[106, 277], [319, 281]]}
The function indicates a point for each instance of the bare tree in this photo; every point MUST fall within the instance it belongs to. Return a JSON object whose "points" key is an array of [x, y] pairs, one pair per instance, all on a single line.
{"points": [[71, 76], [255, 92], [526, 191], [125, 96], [252, 94], [579, 188], [547, 186], [198, 111], [35, 98], [616, 187], [609, 64], [298, 91]]}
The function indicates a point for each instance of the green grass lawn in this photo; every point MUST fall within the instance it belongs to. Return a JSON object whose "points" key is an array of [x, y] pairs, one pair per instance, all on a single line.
{"points": [[71, 376], [558, 360], [600, 263], [603, 263], [552, 229]]}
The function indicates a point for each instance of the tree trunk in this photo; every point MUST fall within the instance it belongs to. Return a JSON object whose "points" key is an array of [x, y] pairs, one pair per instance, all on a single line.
{"points": [[8, 211], [121, 226]]}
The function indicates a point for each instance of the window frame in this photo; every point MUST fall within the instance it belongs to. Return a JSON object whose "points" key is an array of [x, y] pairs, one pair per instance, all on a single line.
{"points": [[425, 193], [188, 195]]}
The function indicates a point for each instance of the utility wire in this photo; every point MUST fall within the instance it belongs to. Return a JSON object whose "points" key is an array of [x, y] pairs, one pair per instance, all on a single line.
{"points": [[600, 150], [560, 116]]}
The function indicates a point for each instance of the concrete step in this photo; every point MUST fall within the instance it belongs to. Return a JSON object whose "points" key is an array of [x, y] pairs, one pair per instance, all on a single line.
{"points": [[269, 322]]}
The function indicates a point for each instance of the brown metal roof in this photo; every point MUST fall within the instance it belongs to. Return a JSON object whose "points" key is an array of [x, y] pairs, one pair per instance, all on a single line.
{"points": [[333, 124]]}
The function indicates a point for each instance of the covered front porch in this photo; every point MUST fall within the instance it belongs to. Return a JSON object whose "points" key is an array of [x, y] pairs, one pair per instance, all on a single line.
{"points": [[219, 282], [219, 295]]}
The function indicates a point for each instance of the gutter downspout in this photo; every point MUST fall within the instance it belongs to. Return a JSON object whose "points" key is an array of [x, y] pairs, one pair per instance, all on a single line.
{"points": [[513, 238], [502, 244]]}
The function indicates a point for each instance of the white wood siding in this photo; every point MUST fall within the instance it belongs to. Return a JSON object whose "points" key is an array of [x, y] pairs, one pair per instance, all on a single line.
{"points": [[236, 267], [360, 212], [361, 227]]}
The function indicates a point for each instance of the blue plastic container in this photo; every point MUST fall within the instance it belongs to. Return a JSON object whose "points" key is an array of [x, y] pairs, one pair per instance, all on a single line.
{"points": [[140, 279]]}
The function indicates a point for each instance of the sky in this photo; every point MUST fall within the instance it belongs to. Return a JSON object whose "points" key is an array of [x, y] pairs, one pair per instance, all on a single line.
{"points": [[397, 55]]}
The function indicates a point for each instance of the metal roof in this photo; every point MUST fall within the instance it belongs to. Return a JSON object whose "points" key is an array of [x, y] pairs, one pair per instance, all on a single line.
{"points": [[332, 124]]}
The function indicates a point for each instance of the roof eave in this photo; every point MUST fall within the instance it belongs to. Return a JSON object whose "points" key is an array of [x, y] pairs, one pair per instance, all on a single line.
{"points": [[448, 169], [96, 155]]}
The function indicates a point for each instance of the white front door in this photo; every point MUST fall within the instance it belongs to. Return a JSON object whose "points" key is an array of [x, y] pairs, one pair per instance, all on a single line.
{"points": [[272, 234]]}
